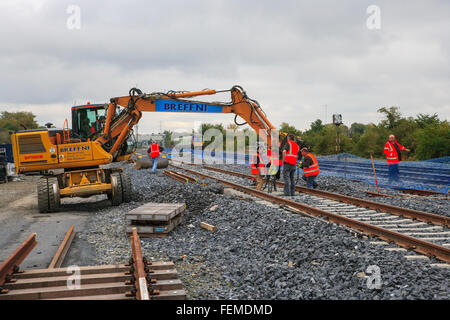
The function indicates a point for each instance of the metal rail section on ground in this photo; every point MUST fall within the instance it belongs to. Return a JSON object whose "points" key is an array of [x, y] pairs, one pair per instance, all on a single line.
{"points": [[11, 264], [139, 273], [141, 279], [60, 254]]}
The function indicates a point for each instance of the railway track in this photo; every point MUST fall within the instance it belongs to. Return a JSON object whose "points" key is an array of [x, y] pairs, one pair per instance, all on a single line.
{"points": [[139, 279], [422, 232]]}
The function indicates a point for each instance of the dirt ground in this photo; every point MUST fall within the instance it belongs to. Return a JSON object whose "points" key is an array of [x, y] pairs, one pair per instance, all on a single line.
{"points": [[19, 217]]}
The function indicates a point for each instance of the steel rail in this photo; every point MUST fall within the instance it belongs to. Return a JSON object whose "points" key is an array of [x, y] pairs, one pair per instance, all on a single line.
{"points": [[11, 264], [174, 176], [60, 254], [424, 247], [405, 212], [188, 178], [179, 176], [139, 268]]}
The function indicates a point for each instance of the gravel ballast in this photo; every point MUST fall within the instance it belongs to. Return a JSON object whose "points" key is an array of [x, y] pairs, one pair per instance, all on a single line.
{"points": [[258, 251]]}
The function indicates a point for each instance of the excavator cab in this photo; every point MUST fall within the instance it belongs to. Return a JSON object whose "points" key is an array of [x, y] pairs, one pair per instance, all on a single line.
{"points": [[87, 120]]}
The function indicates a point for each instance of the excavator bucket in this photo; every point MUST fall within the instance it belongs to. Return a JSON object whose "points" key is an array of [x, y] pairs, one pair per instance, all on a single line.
{"points": [[147, 163]]}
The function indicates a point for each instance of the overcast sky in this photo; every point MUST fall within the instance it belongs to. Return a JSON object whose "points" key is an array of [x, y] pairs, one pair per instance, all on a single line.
{"points": [[294, 57]]}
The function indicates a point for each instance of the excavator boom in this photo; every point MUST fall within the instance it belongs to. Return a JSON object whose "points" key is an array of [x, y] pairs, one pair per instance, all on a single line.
{"points": [[117, 128]]}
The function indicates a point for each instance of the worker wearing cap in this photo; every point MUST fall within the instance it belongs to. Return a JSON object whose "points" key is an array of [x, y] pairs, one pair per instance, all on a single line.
{"points": [[153, 151], [310, 167], [290, 155], [393, 152], [258, 168]]}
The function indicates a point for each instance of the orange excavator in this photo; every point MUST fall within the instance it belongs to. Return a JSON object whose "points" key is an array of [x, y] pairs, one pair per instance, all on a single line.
{"points": [[101, 134]]}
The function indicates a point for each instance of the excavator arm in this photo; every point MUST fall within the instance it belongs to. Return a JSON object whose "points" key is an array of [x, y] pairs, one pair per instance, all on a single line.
{"points": [[118, 126]]}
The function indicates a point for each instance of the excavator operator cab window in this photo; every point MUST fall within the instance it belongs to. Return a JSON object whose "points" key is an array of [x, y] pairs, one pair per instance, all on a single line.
{"points": [[87, 120]]}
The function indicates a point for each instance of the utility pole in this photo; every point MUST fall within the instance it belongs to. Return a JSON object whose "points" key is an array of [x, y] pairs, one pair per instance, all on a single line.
{"points": [[337, 121], [326, 114]]}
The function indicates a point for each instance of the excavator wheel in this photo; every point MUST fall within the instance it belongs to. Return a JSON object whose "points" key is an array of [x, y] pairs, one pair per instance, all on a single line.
{"points": [[126, 186], [48, 195], [117, 190]]}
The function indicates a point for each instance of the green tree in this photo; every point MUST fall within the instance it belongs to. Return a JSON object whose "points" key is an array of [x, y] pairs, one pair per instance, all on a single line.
{"points": [[424, 120], [168, 143], [14, 121], [285, 127], [317, 126], [17, 120], [392, 114], [433, 141], [371, 142], [356, 130]]}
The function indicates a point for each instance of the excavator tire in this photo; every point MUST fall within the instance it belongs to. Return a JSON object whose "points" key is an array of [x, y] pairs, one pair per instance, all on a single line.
{"points": [[126, 186], [48, 195], [117, 190]]}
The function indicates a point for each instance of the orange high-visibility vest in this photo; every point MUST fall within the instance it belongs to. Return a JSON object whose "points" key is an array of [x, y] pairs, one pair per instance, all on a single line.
{"points": [[261, 165], [154, 150], [313, 170], [273, 158], [391, 153], [291, 154]]}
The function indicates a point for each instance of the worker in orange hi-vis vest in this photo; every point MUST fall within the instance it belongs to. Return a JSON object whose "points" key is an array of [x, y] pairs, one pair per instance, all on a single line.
{"points": [[153, 152], [393, 152], [258, 168], [290, 156], [310, 167]]}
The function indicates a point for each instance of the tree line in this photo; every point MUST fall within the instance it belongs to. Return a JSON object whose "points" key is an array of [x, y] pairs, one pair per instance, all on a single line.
{"points": [[426, 135]]}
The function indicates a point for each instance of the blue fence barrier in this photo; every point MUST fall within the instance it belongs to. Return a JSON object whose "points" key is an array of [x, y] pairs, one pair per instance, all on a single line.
{"points": [[426, 175]]}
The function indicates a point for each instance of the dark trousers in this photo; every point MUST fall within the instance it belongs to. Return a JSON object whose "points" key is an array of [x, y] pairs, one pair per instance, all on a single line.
{"points": [[394, 172], [310, 181], [289, 179]]}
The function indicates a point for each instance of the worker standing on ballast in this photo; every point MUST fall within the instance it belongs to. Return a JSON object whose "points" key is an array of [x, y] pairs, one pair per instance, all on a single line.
{"points": [[258, 168], [393, 152], [290, 155], [310, 167], [153, 151]]}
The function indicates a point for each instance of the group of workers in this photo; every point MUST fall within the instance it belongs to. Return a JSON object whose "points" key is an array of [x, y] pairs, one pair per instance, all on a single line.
{"points": [[295, 155]]}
